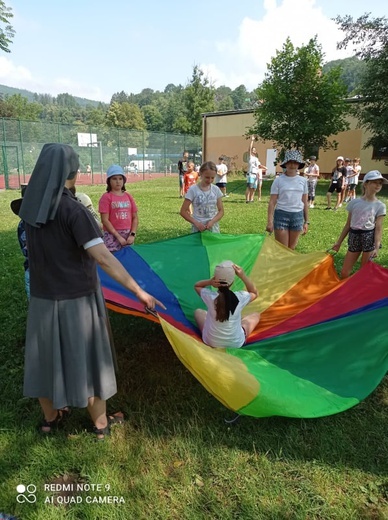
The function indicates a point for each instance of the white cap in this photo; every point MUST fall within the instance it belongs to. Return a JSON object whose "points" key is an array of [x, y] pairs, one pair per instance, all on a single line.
{"points": [[224, 272], [374, 175]]}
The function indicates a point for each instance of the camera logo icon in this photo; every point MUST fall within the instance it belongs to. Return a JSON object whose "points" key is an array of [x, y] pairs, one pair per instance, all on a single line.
{"points": [[26, 493]]}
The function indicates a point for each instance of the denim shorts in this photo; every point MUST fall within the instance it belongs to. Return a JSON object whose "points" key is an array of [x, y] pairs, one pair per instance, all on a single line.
{"points": [[292, 221]]}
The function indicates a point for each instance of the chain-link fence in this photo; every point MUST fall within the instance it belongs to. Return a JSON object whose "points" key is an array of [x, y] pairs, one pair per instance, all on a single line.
{"points": [[141, 153]]}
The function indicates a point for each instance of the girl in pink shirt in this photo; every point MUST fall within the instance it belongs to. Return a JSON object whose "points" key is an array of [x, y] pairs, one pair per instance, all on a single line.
{"points": [[118, 211]]}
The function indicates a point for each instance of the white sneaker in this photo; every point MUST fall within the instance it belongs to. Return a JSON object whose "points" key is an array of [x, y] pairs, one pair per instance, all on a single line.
{"points": [[311, 205], [340, 205]]}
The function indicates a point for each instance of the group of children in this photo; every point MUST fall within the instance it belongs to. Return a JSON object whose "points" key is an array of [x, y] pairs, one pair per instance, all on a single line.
{"points": [[290, 199], [344, 181]]}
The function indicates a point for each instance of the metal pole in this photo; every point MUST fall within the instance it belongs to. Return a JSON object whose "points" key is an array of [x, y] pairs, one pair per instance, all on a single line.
{"points": [[21, 150], [143, 156], [102, 166]]}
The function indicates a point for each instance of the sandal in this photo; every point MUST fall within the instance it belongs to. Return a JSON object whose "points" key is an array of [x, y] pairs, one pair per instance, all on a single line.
{"points": [[62, 414], [114, 418], [101, 433]]}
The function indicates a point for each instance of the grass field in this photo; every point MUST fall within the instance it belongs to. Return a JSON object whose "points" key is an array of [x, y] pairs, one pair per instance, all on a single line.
{"points": [[176, 458]]}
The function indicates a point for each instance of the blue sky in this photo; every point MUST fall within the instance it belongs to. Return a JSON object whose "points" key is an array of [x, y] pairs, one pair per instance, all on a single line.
{"points": [[95, 48]]}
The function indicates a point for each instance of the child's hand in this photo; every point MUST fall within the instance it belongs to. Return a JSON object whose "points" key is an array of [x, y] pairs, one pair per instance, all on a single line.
{"points": [[238, 270], [121, 240], [201, 227], [374, 254], [336, 247], [130, 240], [269, 228], [216, 283]]}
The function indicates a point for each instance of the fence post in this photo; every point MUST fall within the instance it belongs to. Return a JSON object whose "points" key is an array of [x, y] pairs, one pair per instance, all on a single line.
{"points": [[21, 152]]}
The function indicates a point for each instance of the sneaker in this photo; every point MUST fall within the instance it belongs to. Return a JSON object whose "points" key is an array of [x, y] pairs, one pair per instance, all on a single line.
{"points": [[311, 205], [327, 208], [340, 205], [226, 196]]}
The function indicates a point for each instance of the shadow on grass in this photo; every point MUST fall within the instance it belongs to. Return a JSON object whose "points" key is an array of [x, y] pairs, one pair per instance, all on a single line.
{"points": [[162, 398]]}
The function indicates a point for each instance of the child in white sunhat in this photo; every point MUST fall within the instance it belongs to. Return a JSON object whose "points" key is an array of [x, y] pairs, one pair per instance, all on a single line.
{"points": [[364, 224], [222, 324], [288, 204]]}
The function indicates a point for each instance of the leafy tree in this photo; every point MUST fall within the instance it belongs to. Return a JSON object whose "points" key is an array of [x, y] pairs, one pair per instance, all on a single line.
{"points": [[223, 99], [352, 70], [299, 106], [120, 97], [6, 33], [20, 108], [369, 37], [153, 118], [198, 98], [171, 88], [66, 100], [125, 115], [241, 98], [95, 116]]}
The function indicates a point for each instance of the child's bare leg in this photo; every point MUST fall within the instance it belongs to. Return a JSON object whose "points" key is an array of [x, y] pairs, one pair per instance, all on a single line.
{"points": [[339, 195], [293, 239], [282, 236], [200, 317], [249, 323], [349, 261], [328, 196], [365, 257]]}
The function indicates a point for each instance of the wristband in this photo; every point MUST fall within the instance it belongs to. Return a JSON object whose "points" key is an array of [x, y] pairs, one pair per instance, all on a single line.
{"points": [[307, 223], [132, 234]]}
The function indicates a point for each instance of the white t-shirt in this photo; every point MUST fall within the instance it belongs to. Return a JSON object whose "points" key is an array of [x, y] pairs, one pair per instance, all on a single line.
{"points": [[254, 164], [204, 205], [227, 333], [312, 173], [364, 213], [222, 170], [289, 191], [354, 179]]}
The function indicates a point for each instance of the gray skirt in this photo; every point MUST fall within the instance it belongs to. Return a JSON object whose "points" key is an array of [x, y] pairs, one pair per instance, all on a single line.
{"points": [[69, 356]]}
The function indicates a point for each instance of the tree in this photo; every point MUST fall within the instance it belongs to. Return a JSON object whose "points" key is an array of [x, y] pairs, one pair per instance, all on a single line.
{"points": [[20, 108], [153, 118], [66, 100], [370, 39], [352, 70], [125, 115], [6, 33], [240, 97], [299, 106], [198, 98]]}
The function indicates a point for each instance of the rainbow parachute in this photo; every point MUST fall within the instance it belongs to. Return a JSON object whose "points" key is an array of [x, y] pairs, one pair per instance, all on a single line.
{"points": [[321, 345]]}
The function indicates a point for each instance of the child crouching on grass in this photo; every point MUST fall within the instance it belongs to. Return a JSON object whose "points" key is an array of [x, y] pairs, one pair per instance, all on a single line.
{"points": [[222, 325], [364, 224]]}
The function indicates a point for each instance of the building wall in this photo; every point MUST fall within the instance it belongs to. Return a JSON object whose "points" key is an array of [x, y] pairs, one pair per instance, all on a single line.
{"points": [[224, 134]]}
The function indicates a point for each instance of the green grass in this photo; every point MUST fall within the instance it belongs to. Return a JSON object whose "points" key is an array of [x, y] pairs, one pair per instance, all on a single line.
{"points": [[176, 458]]}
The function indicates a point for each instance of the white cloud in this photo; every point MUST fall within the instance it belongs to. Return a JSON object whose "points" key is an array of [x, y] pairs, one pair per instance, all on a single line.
{"points": [[9, 70], [245, 60], [20, 77]]}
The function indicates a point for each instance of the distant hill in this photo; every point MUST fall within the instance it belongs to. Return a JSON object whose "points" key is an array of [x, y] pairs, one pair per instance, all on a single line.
{"points": [[31, 96]]}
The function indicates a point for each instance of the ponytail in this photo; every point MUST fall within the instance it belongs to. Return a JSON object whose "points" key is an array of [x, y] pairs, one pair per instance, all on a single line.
{"points": [[225, 303]]}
